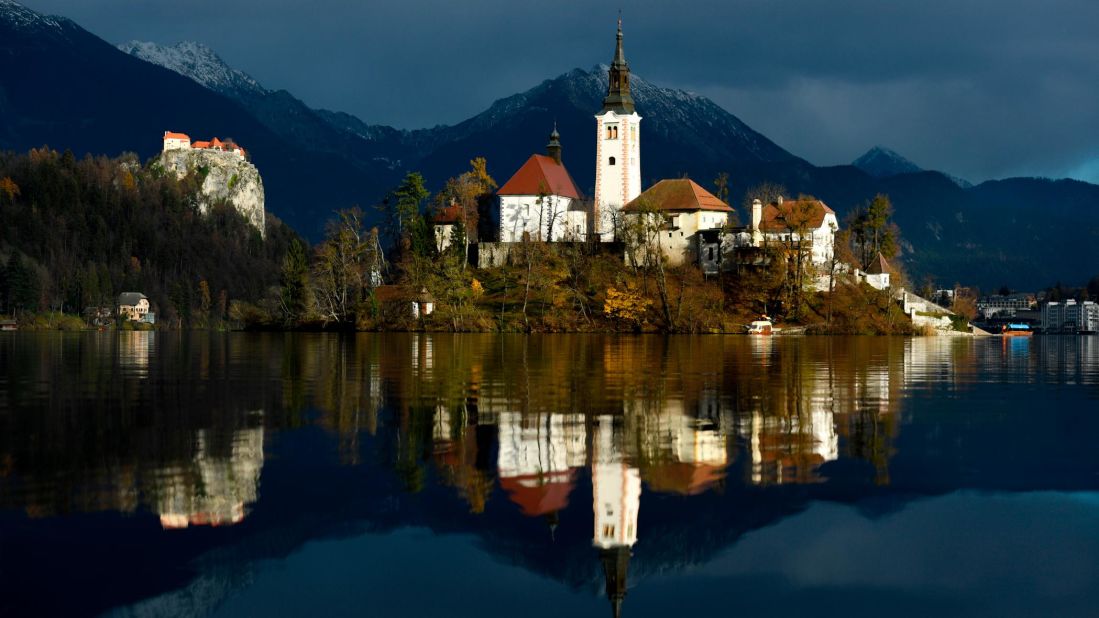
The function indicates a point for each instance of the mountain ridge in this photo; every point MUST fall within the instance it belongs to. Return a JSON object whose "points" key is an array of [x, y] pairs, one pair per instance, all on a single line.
{"points": [[881, 162]]}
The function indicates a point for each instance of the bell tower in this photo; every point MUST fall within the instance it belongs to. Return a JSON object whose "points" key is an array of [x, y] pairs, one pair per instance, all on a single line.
{"points": [[617, 148]]}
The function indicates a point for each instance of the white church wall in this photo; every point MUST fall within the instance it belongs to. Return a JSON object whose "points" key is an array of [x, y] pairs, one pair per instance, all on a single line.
{"points": [[521, 214]]}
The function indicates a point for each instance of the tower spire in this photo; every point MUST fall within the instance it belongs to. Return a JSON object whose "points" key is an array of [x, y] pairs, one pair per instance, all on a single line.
{"points": [[553, 148], [618, 97]]}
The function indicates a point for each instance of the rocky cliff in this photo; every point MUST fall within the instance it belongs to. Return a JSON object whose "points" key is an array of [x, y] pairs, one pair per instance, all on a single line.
{"points": [[225, 176]]}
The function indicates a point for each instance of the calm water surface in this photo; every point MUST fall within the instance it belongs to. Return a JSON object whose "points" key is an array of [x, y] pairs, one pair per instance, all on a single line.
{"points": [[158, 474]]}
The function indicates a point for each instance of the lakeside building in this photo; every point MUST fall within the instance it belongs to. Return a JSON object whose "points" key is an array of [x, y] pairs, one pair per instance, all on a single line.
{"points": [[1070, 317], [134, 306], [1008, 305], [804, 225]]}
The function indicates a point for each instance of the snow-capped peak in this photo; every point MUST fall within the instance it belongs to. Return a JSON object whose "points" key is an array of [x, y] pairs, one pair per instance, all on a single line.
{"points": [[199, 63], [22, 18]]}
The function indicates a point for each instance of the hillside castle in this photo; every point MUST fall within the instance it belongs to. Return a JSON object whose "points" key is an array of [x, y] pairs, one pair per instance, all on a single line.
{"points": [[226, 173]]}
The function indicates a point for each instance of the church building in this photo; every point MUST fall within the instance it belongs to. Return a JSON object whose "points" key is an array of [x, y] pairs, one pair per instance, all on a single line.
{"points": [[617, 149], [541, 201]]}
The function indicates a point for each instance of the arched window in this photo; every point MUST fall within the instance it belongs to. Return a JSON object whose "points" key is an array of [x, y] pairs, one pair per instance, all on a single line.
{"points": [[611, 161]]}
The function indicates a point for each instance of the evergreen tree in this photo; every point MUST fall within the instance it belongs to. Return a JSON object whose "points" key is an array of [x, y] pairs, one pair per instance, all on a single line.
{"points": [[294, 283], [24, 287]]}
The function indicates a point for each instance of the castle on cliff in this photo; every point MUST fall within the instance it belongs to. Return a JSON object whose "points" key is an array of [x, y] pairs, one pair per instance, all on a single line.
{"points": [[182, 141]]}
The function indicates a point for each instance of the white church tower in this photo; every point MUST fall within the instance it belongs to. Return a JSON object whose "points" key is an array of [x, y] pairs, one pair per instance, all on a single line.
{"points": [[617, 149]]}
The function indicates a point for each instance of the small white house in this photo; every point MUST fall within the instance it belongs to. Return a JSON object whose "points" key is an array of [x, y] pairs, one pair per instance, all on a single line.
{"points": [[686, 209], [444, 223], [541, 201], [877, 274]]}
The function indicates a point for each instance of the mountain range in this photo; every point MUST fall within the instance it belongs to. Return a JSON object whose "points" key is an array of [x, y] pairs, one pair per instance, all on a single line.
{"points": [[63, 86]]}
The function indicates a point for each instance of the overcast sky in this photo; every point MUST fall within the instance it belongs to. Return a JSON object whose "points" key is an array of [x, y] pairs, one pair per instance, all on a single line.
{"points": [[978, 88]]}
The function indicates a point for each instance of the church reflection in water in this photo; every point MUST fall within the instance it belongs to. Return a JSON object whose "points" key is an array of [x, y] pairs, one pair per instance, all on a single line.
{"points": [[531, 419], [666, 434]]}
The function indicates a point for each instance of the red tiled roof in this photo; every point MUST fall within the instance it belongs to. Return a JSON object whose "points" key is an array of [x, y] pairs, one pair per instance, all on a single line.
{"points": [[539, 495], [200, 145], [678, 194], [879, 266], [172, 135], [449, 214], [541, 174], [792, 214]]}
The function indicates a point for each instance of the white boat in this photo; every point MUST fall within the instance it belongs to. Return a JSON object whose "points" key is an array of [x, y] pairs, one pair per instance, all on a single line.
{"points": [[761, 327]]}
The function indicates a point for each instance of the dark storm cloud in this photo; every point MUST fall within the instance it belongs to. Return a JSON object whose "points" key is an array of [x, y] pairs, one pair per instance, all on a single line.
{"points": [[978, 88]]}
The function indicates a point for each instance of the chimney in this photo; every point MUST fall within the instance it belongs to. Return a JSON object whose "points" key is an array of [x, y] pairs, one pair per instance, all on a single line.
{"points": [[757, 218], [779, 200]]}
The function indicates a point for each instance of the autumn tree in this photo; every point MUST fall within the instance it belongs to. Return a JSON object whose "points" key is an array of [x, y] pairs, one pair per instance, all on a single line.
{"points": [[766, 192], [796, 217], [8, 190], [965, 302], [641, 235], [873, 231], [467, 192], [346, 267]]}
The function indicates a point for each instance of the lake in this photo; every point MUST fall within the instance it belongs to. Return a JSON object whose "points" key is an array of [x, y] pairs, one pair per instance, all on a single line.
{"points": [[259, 474]]}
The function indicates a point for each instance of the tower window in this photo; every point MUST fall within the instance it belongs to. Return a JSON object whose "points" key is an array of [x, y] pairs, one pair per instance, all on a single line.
{"points": [[611, 161], [612, 131]]}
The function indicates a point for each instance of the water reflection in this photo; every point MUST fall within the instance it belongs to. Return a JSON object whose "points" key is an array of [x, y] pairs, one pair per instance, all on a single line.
{"points": [[714, 436], [214, 488]]}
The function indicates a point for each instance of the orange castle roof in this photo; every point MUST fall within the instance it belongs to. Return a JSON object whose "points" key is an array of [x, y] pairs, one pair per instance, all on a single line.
{"points": [[172, 135]]}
